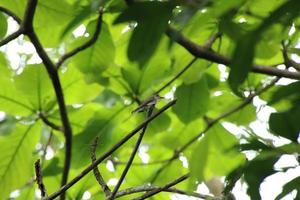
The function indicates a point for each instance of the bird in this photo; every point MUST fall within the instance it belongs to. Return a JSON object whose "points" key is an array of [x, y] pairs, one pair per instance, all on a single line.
{"points": [[152, 100]]}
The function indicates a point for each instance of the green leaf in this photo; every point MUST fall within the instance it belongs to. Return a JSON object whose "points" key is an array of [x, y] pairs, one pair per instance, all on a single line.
{"points": [[35, 84], [73, 84], [286, 124], [257, 170], [12, 100], [245, 49], [192, 101], [102, 124], [152, 20], [215, 155], [97, 58], [294, 50], [3, 25], [289, 187], [17, 159]]}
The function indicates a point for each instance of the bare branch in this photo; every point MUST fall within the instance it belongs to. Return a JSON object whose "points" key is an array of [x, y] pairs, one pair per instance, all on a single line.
{"points": [[96, 171], [11, 14], [177, 75], [85, 45], [49, 123], [147, 188], [39, 178], [202, 52], [52, 71], [11, 37], [134, 151], [109, 152], [158, 190]]}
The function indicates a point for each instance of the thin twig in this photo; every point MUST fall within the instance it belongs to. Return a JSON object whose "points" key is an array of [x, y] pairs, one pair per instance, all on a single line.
{"points": [[134, 151], [207, 45], [96, 171], [202, 52], [11, 14], [147, 188], [49, 123], [177, 75], [85, 45], [39, 178], [158, 190], [109, 152], [46, 146], [11, 37]]}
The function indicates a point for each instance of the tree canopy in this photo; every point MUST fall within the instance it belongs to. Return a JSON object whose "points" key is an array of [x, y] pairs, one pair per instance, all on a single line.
{"points": [[218, 81]]}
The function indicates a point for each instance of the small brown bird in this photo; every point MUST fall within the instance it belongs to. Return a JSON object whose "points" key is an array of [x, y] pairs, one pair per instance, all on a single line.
{"points": [[147, 103]]}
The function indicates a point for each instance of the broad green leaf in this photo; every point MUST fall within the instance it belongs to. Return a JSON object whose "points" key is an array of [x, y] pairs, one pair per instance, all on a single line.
{"points": [[101, 124], [286, 124], [48, 14], [97, 58], [289, 187], [3, 25], [17, 158], [245, 48], [215, 155], [76, 90], [256, 171], [12, 100], [132, 75], [35, 84], [152, 20], [192, 101]]}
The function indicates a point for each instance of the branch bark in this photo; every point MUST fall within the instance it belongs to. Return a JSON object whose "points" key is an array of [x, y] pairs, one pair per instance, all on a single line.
{"points": [[202, 52], [96, 171], [158, 190]]}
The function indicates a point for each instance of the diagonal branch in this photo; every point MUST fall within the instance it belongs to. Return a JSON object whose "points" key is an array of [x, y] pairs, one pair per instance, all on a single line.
{"points": [[85, 45], [96, 171], [11, 14], [129, 163], [11, 37], [109, 152], [202, 52], [158, 190], [147, 188]]}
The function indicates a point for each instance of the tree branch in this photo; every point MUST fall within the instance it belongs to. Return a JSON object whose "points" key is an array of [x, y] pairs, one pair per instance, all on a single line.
{"points": [[85, 45], [147, 188], [207, 45], [49, 123], [202, 52], [27, 25], [11, 37], [109, 152], [158, 190], [136, 147], [11, 14], [96, 171], [39, 178]]}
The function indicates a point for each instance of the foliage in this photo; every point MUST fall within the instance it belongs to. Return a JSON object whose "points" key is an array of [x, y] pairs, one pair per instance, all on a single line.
{"points": [[100, 59]]}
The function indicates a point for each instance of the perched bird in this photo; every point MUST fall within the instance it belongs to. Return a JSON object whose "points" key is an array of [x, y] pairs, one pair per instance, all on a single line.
{"points": [[147, 103]]}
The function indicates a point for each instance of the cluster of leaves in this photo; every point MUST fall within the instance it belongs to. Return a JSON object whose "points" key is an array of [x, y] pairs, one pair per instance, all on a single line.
{"points": [[132, 59]]}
